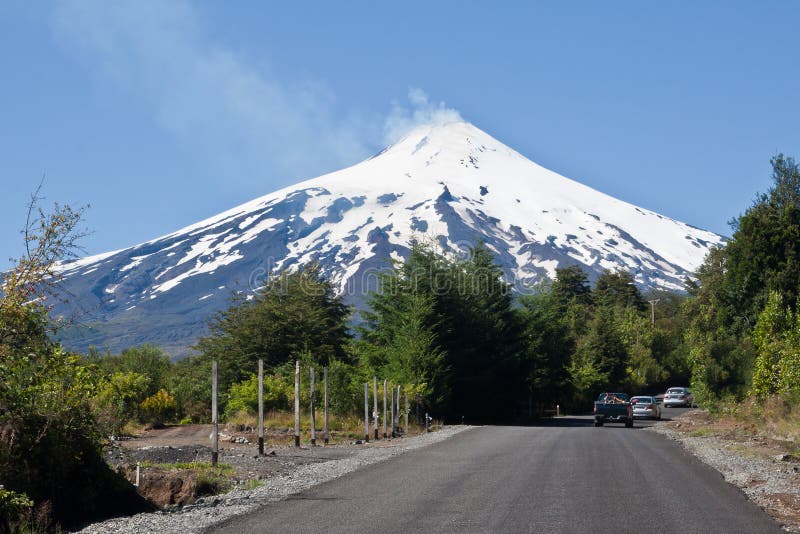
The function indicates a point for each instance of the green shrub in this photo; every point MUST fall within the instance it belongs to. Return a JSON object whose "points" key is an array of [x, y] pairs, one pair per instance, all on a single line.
{"points": [[15, 509], [160, 407], [244, 395], [118, 399], [212, 481]]}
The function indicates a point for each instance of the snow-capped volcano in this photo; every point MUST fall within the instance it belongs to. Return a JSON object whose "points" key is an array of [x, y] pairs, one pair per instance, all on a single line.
{"points": [[452, 183]]}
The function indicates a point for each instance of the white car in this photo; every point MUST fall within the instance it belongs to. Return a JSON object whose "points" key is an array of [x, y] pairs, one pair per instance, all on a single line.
{"points": [[646, 407], [678, 397]]}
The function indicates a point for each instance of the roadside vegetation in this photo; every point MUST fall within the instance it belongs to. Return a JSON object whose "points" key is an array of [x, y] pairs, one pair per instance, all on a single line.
{"points": [[447, 329], [49, 436]]}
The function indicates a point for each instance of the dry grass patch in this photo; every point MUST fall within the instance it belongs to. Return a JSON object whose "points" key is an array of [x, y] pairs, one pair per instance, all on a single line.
{"points": [[765, 427], [279, 427]]}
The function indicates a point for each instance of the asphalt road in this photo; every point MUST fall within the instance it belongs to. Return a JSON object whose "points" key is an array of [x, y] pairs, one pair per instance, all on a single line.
{"points": [[565, 476]]}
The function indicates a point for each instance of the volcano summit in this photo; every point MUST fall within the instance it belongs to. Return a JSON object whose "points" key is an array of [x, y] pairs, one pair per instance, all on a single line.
{"points": [[451, 183]]}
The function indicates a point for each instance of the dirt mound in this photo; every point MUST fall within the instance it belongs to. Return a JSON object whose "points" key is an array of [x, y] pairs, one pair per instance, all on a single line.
{"points": [[166, 487]]}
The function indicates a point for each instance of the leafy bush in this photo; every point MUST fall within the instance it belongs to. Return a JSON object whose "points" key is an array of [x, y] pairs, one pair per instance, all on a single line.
{"points": [[49, 438], [160, 407], [15, 508], [118, 399], [243, 396], [776, 337]]}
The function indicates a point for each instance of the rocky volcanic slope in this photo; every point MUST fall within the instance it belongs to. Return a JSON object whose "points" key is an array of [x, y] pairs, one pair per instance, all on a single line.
{"points": [[452, 184]]}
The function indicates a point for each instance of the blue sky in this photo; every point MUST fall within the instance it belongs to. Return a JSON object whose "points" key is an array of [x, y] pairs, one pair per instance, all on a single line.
{"points": [[158, 114]]}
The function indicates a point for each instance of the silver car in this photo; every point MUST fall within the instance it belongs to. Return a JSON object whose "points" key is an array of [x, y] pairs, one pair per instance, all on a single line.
{"points": [[678, 397], [646, 407]]}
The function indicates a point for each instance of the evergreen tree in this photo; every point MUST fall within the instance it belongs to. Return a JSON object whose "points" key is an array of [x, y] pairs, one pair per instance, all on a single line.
{"points": [[452, 321], [295, 312], [734, 284], [668, 346], [401, 340], [484, 344], [605, 345], [763, 254], [571, 286], [618, 288], [548, 344]]}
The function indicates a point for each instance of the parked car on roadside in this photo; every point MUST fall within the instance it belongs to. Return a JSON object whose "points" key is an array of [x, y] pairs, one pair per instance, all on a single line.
{"points": [[646, 407], [678, 397]]}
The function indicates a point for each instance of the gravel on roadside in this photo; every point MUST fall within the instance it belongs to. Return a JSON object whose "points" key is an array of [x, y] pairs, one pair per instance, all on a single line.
{"points": [[211, 510], [771, 482]]}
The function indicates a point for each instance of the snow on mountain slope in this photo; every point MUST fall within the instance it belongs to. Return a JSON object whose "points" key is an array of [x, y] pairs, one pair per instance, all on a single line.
{"points": [[450, 183]]}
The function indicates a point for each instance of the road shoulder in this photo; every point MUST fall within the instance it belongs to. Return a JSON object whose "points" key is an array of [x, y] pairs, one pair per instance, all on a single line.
{"points": [[768, 476]]}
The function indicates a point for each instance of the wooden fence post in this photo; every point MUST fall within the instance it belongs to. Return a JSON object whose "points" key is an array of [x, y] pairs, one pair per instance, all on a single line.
{"points": [[375, 404], [405, 430], [214, 419], [366, 412], [325, 427], [260, 406], [313, 414], [397, 412], [384, 409], [392, 414], [297, 403]]}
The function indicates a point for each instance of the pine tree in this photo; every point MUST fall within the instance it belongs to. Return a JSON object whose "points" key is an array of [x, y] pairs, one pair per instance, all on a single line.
{"points": [[548, 344], [456, 317], [618, 288], [571, 286]]}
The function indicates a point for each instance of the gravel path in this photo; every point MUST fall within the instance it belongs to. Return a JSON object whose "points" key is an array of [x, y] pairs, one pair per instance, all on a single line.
{"points": [[772, 482], [210, 510]]}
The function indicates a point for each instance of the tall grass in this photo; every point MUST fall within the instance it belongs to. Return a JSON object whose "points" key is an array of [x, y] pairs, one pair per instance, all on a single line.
{"points": [[341, 428], [776, 416]]}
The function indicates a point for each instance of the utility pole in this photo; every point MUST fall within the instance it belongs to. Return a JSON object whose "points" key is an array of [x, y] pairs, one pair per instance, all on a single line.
{"points": [[653, 310]]}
